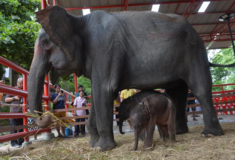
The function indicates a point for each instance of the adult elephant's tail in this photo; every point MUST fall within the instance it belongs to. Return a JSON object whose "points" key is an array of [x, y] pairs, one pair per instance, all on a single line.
{"points": [[220, 65]]}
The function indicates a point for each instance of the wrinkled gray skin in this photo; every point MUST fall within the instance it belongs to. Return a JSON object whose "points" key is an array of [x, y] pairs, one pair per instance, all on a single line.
{"points": [[153, 110], [142, 50], [130, 103]]}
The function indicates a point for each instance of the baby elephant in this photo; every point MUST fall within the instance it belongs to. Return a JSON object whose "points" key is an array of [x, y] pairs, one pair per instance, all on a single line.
{"points": [[153, 110], [130, 103]]}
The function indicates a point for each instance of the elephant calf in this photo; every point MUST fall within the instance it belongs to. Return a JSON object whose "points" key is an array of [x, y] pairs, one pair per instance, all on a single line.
{"points": [[130, 103], [153, 110]]}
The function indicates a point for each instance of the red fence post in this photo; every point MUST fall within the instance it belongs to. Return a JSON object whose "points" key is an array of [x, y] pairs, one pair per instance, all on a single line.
{"points": [[46, 93], [222, 88]]}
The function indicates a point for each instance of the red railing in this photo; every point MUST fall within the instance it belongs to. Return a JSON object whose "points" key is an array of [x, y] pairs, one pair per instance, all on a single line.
{"points": [[224, 100], [22, 93]]}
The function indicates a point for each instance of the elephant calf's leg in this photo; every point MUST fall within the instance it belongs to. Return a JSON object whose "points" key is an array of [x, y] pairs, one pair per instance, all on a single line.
{"points": [[164, 131], [148, 143]]}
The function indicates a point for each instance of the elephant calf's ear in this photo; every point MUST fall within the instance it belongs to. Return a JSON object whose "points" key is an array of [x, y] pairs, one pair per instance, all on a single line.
{"points": [[57, 24]]}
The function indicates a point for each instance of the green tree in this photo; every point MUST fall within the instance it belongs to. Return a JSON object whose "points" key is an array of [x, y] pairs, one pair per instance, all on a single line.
{"points": [[86, 84], [18, 30], [223, 75], [67, 83]]}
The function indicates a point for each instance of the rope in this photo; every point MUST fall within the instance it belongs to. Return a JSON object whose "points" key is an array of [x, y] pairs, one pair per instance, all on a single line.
{"points": [[15, 105]]}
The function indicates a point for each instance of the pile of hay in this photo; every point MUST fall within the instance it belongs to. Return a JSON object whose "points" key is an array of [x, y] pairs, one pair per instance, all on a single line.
{"points": [[188, 146]]}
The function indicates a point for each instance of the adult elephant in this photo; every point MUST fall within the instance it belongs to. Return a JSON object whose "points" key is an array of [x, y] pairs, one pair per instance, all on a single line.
{"points": [[143, 50]]}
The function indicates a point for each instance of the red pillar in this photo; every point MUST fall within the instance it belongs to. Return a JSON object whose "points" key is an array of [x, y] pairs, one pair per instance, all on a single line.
{"points": [[43, 4], [25, 107], [47, 94], [75, 83], [72, 105], [66, 105]]}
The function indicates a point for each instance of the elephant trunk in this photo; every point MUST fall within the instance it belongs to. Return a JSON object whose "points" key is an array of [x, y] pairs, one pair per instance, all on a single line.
{"points": [[137, 132], [120, 126], [38, 70]]}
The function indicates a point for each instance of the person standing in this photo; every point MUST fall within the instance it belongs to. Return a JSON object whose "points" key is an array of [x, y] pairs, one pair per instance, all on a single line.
{"points": [[116, 105], [16, 108], [1, 94], [191, 102], [81, 88], [58, 99], [79, 103]]}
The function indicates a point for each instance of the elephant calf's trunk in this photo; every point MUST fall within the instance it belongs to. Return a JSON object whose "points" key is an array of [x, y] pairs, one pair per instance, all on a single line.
{"points": [[120, 127], [137, 132]]}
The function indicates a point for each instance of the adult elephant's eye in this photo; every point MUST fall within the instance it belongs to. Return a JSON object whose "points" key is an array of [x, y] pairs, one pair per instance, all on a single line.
{"points": [[43, 43]]}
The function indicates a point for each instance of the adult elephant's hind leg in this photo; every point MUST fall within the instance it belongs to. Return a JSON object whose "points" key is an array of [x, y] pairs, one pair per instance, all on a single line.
{"points": [[179, 97], [202, 89], [92, 128]]}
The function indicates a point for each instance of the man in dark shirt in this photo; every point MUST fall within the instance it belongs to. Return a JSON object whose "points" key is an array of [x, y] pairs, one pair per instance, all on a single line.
{"points": [[58, 99], [16, 100]]}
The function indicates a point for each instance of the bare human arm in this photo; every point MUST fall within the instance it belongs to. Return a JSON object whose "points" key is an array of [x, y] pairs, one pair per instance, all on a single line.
{"points": [[11, 99]]}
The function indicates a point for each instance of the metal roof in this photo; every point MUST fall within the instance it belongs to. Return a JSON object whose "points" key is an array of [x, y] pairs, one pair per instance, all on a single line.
{"points": [[206, 24]]}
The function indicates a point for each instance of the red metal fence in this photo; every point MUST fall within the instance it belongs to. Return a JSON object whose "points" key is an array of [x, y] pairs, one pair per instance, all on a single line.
{"points": [[23, 93], [223, 100]]}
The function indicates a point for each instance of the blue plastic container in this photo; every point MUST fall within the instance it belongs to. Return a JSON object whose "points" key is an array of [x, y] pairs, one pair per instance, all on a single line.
{"points": [[67, 131]]}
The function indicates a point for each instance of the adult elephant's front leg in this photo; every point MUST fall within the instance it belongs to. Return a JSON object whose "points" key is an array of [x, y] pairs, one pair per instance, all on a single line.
{"points": [[179, 98], [92, 127], [103, 103]]}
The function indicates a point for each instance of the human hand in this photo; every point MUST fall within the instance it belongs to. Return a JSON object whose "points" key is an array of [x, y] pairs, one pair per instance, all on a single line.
{"points": [[16, 98]]}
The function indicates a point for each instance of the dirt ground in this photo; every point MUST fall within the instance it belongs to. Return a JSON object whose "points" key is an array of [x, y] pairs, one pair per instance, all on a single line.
{"points": [[188, 146]]}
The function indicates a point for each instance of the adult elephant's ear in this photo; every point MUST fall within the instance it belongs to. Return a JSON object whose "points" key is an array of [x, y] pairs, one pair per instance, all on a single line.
{"points": [[57, 24]]}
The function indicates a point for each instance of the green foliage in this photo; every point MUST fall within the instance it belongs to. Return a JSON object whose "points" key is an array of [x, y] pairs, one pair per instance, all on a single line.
{"points": [[223, 75], [18, 30], [86, 84], [2, 71], [6, 158], [7, 81], [67, 83]]}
